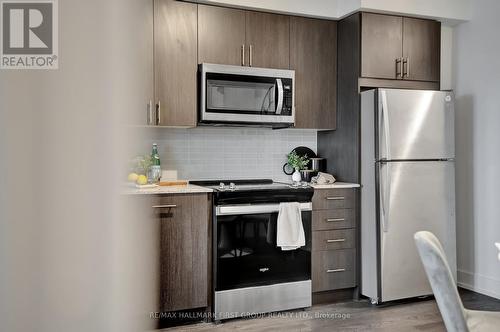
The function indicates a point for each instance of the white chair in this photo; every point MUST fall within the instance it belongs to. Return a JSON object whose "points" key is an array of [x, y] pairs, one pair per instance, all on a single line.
{"points": [[456, 318]]}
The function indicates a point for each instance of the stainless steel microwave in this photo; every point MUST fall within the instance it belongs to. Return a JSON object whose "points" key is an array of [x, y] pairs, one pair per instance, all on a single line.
{"points": [[246, 96]]}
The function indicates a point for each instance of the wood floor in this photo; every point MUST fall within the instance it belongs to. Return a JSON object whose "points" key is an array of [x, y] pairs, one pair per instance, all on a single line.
{"points": [[421, 315]]}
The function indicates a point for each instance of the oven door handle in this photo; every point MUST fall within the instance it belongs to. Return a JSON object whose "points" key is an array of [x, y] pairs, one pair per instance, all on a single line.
{"points": [[279, 105], [228, 210]]}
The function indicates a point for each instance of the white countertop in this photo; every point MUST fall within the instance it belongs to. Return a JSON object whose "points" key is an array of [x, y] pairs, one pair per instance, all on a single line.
{"points": [[193, 189], [183, 189], [336, 185]]}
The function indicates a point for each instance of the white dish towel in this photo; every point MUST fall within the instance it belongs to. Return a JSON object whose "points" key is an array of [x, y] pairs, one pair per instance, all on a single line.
{"points": [[290, 232]]}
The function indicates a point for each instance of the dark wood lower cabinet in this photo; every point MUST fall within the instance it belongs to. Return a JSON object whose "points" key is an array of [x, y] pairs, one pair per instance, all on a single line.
{"points": [[333, 219], [333, 269], [327, 199], [334, 243], [184, 250]]}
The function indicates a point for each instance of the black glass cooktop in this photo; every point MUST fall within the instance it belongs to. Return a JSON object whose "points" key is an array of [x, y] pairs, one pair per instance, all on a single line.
{"points": [[255, 191]]}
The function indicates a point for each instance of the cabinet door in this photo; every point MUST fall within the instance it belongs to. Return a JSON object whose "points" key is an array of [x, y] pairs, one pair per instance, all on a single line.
{"points": [[175, 62], [137, 108], [221, 35], [183, 250], [268, 40], [381, 45], [421, 49], [313, 56]]}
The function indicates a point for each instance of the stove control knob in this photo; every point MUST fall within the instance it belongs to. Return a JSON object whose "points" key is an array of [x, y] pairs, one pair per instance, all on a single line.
{"points": [[232, 186], [222, 186]]}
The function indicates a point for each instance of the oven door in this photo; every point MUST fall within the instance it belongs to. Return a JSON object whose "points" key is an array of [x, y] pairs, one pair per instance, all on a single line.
{"points": [[244, 95], [245, 250]]}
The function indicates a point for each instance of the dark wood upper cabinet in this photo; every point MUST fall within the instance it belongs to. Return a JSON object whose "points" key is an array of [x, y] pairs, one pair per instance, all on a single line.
{"points": [[313, 56], [395, 47], [221, 35], [243, 38], [184, 250], [175, 63], [421, 49], [267, 39], [381, 42]]}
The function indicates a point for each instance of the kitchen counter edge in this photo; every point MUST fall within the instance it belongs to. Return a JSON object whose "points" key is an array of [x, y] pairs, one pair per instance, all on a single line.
{"points": [[183, 189], [336, 185]]}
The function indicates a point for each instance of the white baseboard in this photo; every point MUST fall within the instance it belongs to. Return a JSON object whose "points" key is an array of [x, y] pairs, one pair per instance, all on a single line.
{"points": [[479, 283]]}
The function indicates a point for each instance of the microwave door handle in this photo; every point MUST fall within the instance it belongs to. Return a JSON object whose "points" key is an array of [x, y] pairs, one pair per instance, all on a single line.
{"points": [[279, 105]]}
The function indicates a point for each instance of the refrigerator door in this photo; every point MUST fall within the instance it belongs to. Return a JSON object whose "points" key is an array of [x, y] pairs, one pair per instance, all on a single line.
{"points": [[413, 196], [415, 124]]}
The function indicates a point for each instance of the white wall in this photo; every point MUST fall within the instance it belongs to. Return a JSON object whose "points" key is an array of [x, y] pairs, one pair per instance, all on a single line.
{"points": [[449, 11], [316, 8], [476, 72], [55, 229], [71, 257], [446, 58]]}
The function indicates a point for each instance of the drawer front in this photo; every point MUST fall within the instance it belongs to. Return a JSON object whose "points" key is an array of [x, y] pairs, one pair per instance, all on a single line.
{"points": [[331, 240], [333, 269], [333, 219], [325, 199], [172, 206]]}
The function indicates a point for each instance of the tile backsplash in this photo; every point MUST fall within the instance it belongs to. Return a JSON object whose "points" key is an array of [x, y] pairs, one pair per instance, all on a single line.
{"points": [[227, 153]]}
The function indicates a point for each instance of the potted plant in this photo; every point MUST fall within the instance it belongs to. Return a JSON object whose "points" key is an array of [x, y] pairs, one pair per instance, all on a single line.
{"points": [[297, 163]]}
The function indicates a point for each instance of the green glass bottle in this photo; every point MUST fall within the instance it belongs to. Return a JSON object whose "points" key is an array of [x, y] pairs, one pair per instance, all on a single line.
{"points": [[155, 167]]}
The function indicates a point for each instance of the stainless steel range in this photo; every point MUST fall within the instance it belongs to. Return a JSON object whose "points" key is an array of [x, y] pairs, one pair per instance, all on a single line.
{"points": [[250, 273]]}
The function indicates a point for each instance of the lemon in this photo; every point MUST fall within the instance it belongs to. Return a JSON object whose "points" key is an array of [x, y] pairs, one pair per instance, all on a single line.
{"points": [[132, 177], [142, 179]]}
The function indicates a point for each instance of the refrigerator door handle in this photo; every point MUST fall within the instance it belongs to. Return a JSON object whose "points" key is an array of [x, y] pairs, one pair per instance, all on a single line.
{"points": [[385, 125], [385, 195]]}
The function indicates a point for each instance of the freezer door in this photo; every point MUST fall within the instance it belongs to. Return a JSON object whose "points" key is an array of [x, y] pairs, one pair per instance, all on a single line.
{"points": [[415, 124], [413, 196]]}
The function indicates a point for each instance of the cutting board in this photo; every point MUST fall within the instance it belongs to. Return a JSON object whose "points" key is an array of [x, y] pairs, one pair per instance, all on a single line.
{"points": [[173, 183]]}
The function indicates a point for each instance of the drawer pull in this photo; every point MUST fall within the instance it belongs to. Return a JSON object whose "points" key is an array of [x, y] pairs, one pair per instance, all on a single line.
{"points": [[166, 206], [335, 240], [335, 219], [335, 270], [335, 198]]}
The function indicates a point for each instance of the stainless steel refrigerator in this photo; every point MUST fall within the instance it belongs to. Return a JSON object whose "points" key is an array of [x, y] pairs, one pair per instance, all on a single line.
{"points": [[408, 185]]}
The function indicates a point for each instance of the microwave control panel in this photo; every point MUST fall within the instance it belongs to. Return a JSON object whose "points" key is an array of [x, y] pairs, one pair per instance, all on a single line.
{"points": [[287, 97]]}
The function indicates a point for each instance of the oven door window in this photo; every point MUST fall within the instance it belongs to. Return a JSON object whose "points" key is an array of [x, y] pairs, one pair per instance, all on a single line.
{"points": [[247, 254]]}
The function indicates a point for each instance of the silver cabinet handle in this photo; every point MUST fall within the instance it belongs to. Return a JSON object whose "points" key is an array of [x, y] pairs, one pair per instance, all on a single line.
{"points": [[158, 113], [250, 47], [399, 68], [335, 219], [243, 54], [335, 198], [335, 240], [165, 206], [150, 113], [335, 270], [406, 67]]}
